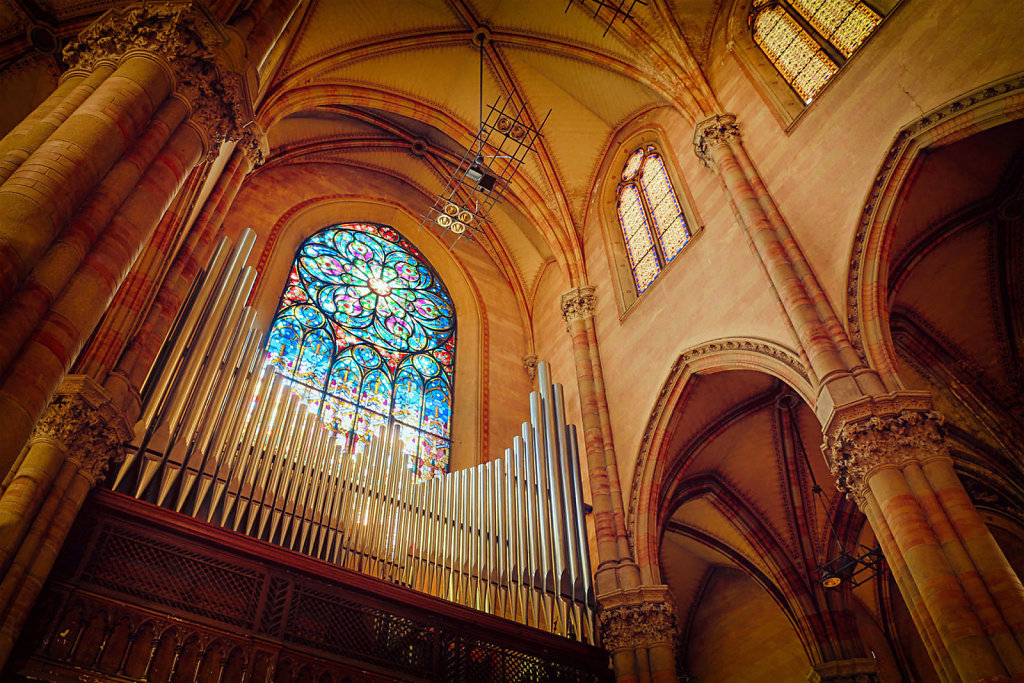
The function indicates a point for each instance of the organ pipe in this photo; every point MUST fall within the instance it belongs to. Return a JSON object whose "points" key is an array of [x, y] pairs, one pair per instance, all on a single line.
{"points": [[225, 438]]}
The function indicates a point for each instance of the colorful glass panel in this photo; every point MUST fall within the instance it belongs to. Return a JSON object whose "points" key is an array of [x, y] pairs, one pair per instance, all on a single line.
{"points": [[800, 60], [669, 222], [652, 220], [844, 23], [366, 329]]}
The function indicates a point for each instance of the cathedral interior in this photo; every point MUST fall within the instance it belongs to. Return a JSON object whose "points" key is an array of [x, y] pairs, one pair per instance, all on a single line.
{"points": [[512, 340]]}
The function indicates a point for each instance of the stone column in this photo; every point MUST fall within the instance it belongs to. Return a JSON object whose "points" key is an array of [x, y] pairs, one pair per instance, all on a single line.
{"points": [[174, 59], [638, 628], [616, 568], [823, 341], [890, 454], [636, 623], [80, 433]]}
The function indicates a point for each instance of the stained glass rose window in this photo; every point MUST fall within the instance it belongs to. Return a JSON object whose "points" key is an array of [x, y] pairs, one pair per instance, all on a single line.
{"points": [[366, 328]]}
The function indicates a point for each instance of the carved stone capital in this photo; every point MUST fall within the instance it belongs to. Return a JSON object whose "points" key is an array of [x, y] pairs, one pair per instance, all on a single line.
{"points": [[637, 617], [530, 365], [207, 60], [254, 144], [83, 419], [881, 431], [578, 303], [845, 671], [712, 132]]}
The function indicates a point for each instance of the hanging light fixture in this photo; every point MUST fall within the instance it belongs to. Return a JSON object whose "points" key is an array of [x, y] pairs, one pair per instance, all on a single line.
{"points": [[505, 136], [846, 568], [849, 568]]}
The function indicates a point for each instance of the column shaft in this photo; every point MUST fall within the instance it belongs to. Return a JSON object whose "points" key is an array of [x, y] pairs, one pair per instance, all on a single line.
{"points": [[48, 354], [43, 193], [26, 137], [28, 489], [628, 573], [597, 466], [811, 333], [136, 294], [908, 590], [135, 363], [27, 306]]}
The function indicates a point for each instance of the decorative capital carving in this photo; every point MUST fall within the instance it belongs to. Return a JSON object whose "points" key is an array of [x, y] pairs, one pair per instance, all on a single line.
{"points": [[845, 671], [637, 617], [578, 303], [530, 365], [876, 432], [84, 420], [254, 144], [712, 132], [203, 56]]}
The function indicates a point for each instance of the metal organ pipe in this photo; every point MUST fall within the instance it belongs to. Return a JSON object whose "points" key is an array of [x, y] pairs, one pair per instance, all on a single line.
{"points": [[225, 438]]}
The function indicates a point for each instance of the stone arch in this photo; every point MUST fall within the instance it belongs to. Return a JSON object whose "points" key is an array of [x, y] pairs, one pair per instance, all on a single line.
{"points": [[866, 306], [733, 353]]}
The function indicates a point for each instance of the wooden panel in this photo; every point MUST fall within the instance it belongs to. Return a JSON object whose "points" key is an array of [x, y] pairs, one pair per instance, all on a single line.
{"points": [[142, 591]]}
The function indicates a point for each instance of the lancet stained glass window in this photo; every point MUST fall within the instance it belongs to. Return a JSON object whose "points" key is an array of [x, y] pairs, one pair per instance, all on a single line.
{"points": [[809, 40], [366, 329], [652, 221]]}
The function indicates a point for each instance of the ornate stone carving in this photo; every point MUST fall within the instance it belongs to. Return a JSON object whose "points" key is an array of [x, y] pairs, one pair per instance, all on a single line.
{"points": [[879, 431], [254, 144], [197, 49], [530, 365], [712, 132], [83, 419], [578, 303], [845, 671], [639, 617]]}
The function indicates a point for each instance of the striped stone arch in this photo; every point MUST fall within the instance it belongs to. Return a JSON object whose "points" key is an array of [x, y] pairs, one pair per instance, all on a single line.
{"points": [[733, 353], [866, 305]]}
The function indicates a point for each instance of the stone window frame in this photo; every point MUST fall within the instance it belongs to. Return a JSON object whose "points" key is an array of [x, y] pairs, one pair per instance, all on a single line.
{"points": [[615, 241], [782, 100]]}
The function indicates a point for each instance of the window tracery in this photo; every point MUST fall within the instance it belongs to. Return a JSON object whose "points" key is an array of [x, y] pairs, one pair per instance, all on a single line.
{"points": [[809, 40], [366, 329], [653, 223]]}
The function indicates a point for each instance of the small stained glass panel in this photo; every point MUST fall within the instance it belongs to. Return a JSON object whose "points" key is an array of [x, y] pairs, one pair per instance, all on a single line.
{"points": [[632, 164], [844, 23], [669, 222], [800, 60], [636, 230]]}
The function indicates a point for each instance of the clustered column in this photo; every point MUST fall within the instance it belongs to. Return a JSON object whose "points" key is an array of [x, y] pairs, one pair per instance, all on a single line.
{"points": [[77, 212], [80, 433], [639, 652], [888, 451], [155, 91]]}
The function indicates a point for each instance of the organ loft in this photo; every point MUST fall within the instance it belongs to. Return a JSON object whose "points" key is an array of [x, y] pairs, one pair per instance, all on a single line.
{"points": [[512, 341]]}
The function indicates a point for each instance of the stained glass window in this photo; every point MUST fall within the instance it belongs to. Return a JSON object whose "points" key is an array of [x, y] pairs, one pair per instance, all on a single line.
{"points": [[652, 221], [366, 329], [808, 40]]}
